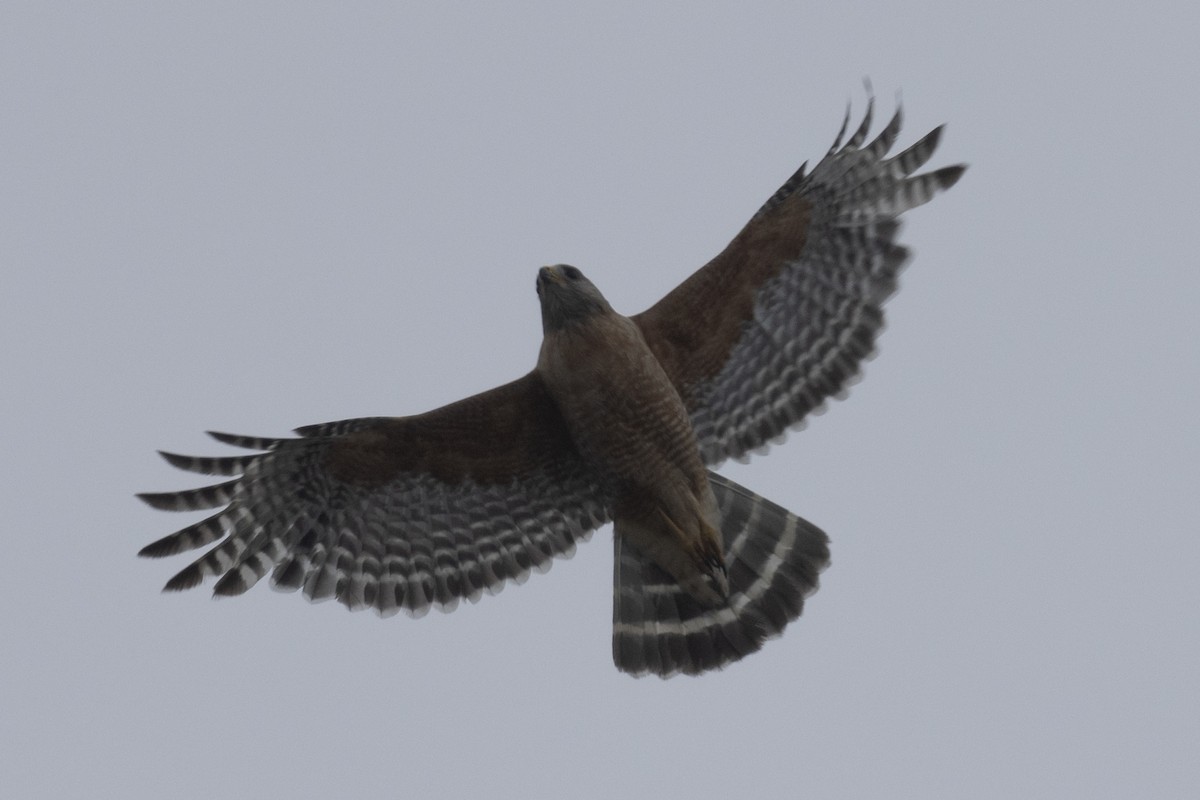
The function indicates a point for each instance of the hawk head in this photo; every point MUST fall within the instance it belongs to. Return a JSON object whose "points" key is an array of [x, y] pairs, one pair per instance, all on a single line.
{"points": [[567, 297]]}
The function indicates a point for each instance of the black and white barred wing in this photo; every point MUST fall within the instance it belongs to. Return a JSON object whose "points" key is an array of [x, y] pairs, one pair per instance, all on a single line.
{"points": [[392, 513], [773, 560], [782, 319]]}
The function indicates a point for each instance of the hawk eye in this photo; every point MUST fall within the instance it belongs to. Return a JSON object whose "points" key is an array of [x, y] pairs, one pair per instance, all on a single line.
{"points": [[571, 273]]}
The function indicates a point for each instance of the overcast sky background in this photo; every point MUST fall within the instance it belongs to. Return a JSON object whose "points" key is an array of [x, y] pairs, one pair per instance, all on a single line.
{"points": [[249, 217]]}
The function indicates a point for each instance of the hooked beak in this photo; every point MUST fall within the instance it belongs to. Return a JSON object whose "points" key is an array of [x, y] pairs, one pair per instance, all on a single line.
{"points": [[546, 274]]}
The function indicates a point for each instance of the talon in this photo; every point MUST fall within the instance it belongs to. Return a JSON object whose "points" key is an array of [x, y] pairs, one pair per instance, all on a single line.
{"points": [[718, 574]]}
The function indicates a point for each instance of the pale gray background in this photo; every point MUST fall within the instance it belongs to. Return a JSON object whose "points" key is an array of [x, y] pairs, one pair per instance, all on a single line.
{"points": [[251, 217]]}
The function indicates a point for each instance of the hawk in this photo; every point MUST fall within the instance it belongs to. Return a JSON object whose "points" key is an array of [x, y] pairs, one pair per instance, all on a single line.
{"points": [[621, 420]]}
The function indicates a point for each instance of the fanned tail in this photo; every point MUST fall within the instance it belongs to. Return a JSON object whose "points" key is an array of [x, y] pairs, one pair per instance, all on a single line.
{"points": [[773, 559]]}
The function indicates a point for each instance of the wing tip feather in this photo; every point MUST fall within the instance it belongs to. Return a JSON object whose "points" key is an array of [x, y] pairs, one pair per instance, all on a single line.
{"points": [[163, 501], [161, 548], [175, 459], [948, 176], [187, 578], [232, 584]]}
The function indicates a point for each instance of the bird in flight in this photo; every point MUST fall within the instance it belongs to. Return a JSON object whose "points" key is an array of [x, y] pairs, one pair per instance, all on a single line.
{"points": [[622, 421]]}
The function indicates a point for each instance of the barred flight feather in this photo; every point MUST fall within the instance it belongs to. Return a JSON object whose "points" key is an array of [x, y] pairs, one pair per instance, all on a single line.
{"points": [[223, 465], [816, 317], [412, 544]]}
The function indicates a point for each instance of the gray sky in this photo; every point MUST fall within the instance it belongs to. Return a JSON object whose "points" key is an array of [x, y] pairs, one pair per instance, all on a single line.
{"points": [[251, 217]]}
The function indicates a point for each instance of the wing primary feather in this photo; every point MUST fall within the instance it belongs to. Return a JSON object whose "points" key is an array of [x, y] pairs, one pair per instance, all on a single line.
{"points": [[860, 134], [247, 442], [837, 140], [913, 157], [887, 137], [223, 465], [191, 499], [187, 578], [234, 582], [204, 532], [947, 176]]}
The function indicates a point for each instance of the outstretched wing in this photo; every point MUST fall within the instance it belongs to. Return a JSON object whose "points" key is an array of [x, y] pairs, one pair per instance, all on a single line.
{"points": [[783, 317], [393, 513]]}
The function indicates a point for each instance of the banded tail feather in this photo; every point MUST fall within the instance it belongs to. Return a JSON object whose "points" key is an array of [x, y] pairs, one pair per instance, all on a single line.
{"points": [[773, 558]]}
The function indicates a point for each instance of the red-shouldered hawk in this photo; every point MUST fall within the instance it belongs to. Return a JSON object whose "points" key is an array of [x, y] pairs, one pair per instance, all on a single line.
{"points": [[620, 420]]}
